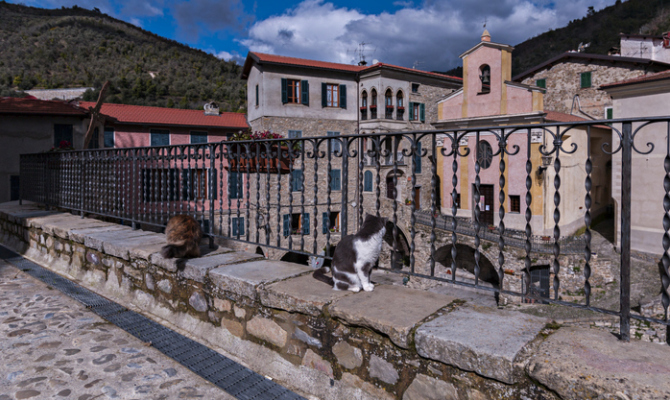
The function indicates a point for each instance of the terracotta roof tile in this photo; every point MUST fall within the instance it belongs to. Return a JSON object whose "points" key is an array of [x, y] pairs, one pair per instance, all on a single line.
{"points": [[130, 114], [15, 105], [555, 116], [649, 78]]}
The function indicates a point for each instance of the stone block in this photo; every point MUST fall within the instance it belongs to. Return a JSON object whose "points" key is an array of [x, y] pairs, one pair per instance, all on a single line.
{"points": [[240, 313], [451, 339], [96, 240], [368, 388], [198, 302], [268, 330], [638, 369], [426, 388], [196, 268], [165, 286], [391, 310], [312, 360], [148, 249], [168, 264], [382, 370], [79, 235], [306, 338], [121, 246], [348, 356], [149, 281], [233, 327], [222, 304], [303, 294], [243, 279]]}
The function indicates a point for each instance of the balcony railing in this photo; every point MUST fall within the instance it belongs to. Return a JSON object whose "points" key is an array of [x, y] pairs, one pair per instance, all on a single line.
{"points": [[283, 194]]}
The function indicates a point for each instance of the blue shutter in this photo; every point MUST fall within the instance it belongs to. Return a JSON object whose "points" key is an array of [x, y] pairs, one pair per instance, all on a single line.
{"points": [[324, 97], [305, 224], [422, 112], [284, 91], [287, 223], [343, 96], [232, 185], [326, 223], [336, 181], [160, 137], [297, 180], [198, 137], [367, 185], [411, 111], [304, 87], [235, 226], [417, 158], [109, 137]]}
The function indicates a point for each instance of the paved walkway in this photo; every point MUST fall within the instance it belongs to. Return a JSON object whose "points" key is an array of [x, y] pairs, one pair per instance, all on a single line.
{"points": [[53, 347]]}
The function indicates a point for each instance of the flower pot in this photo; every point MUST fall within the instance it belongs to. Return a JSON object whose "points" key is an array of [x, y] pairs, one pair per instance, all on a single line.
{"points": [[276, 161]]}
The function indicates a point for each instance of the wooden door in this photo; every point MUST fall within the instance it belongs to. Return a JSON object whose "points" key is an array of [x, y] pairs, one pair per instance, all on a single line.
{"points": [[485, 205], [417, 198]]}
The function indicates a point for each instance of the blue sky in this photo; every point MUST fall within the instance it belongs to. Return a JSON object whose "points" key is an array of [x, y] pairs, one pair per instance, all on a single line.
{"points": [[428, 35]]}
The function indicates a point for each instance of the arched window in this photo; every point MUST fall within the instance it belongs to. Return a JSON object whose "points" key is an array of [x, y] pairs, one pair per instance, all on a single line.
{"points": [[373, 104], [367, 181], [373, 93], [399, 99], [364, 99], [485, 77], [484, 154], [388, 101]]}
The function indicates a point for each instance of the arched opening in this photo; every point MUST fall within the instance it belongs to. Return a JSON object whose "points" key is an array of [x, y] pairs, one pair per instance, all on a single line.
{"points": [[364, 105], [388, 102], [295, 258], [539, 282], [485, 78], [393, 191], [400, 248], [400, 111], [465, 260], [259, 251], [373, 104]]}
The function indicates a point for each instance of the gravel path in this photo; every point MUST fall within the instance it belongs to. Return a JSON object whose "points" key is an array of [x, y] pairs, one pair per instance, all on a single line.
{"points": [[54, 348]]}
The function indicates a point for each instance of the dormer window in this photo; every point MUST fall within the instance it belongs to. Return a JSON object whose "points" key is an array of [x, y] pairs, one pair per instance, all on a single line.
{"points": [[485, 78]]}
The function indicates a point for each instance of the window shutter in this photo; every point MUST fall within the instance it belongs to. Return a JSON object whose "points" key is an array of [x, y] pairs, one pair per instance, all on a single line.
{"points": [[256, 95], [586, 79], [284, 91], [235, 226], [411, 111], [325, 223], [287, 223], [324, 96], [541, 83], [417, 158], [422, 112], [610, 113], [304, 87], [335, 183], [232, 185], [297, 180], [367, 186], [305, 224], [343, 96]]}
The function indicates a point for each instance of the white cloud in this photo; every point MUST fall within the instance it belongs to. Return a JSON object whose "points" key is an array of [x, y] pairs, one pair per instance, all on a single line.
{"points": [[224, 55], [431, 35]]}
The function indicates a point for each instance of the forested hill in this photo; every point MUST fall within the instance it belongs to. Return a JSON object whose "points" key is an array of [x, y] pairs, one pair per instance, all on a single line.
{"points": [[599, 28], [75, 47]]}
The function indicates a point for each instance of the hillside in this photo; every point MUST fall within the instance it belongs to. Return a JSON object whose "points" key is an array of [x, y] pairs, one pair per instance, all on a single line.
{"points": [[74, 47], [600, 28]]}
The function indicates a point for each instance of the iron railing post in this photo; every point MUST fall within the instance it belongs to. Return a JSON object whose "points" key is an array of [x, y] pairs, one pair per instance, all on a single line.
{"points": [[133, 196], [210, 226], [82, 189], [22, 181], [345, 186], [626, 169]]}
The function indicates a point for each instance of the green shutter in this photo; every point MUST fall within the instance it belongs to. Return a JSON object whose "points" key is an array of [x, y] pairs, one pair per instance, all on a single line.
{"points": [[586, 79], [256, 95], [343, 96], [417, 158], [305, 224], [610, 113], [287, 225], [325, 223], [324, 97], [541, 83], [367, 181], [304, 86], [422, 112], [335, 179], [411, 111], [284, 91]]}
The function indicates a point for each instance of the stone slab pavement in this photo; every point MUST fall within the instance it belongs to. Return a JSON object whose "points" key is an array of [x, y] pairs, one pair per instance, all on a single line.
{"points": [[53, 347]]}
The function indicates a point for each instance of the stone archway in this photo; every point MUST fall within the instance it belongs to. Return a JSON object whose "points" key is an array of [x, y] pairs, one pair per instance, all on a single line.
{"points": [[295, 258], [465, 260], [259, 251], [401, 249]]}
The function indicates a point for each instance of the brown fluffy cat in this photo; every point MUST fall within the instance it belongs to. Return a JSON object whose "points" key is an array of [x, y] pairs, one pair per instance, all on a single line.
{"points": [[183, 235]]}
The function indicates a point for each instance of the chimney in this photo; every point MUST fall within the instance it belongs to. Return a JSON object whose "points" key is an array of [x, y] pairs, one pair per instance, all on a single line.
{"points": [[211, 108]]}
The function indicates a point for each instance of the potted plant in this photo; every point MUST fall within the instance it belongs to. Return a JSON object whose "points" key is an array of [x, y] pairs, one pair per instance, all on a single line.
{"points": [[276, 160], [408, 202]]}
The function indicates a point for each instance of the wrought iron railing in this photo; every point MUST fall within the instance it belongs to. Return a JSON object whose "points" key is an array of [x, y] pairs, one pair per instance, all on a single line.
{"points": [[512, 184]]}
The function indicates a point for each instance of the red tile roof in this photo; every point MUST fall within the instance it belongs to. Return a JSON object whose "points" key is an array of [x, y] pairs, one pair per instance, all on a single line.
{"points": [[649, 78], [26, 106], [301, 62], [129, 114], [555, 116]]}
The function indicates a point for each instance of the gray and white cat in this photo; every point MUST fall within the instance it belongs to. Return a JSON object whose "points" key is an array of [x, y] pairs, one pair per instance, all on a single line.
{"points": [[355, 256]]}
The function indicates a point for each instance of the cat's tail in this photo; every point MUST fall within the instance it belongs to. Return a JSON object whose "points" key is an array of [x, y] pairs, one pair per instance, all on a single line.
{"points": [[320, 275]]}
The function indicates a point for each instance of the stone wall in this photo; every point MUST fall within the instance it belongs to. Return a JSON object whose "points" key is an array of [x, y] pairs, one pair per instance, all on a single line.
{"points": [[392, 343]]}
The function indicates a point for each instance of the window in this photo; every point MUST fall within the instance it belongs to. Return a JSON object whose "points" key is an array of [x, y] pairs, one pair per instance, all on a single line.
{"points": [[14, 187], [417, 158], [160, 184], [257, 101], [295, 224], [335, 144], [194, 184], [417, 112], [160, 137], [297, 180], [585, 78], [541, 83], [415, 88], [609, 113], [457, 200], [238, 226], [364, 99], [485, 77], [373, 104], [294, 134], [399, 99], [335, 179], [484, 154], [235, 185], [95, 139], [331, 222], [294, 91], [198, 137], [388, 101], [367, 181], [514, 204], [390, 188], [333, 95], [109, 137], [62, 133]]}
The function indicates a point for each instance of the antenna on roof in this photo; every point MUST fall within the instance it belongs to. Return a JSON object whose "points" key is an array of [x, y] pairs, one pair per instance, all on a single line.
{"points": [[485, 20], [416, 64], [361, 54]]}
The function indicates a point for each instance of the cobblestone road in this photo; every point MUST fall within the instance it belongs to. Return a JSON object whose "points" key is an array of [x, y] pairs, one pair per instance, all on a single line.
{"points": [[54, 348]]}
